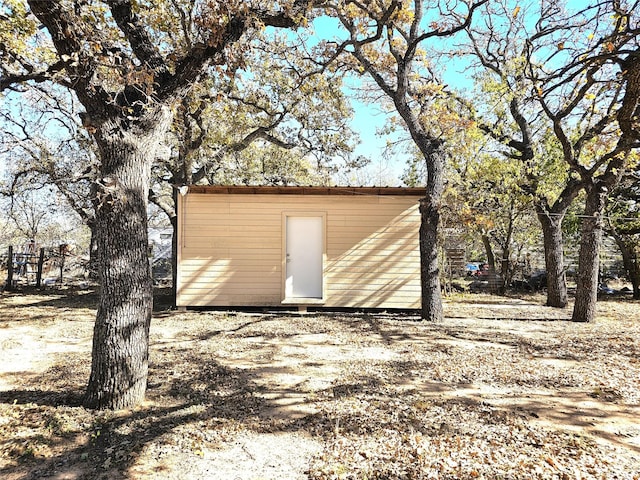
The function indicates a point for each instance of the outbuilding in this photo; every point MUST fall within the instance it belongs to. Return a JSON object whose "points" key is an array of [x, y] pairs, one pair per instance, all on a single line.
{"points": [[340, 247]]}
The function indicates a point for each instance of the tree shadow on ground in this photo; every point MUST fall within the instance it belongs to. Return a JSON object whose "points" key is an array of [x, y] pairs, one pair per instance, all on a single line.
{"points": [[82, 297], [48, 398], [73, 297], [194, 400], [580, 411], [192, 403]]}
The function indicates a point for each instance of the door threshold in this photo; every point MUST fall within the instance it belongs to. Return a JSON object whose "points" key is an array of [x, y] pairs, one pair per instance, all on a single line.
{"points": [[303, 301]]}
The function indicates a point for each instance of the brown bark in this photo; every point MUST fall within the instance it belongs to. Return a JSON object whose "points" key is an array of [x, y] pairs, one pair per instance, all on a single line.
{"points": [[395, 83], [488, 249], [121, 334], [500, 284], [554, 258], [599, 188], [551, 218], [434, 153], [630, 261], [430, 224], [429, 269], [128, 124], [550, 215], [9, 283], [589, 258], [491, 262]]}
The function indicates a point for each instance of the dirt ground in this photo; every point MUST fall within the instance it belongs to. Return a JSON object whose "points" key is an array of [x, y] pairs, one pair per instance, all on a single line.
{"points": [[503, 388]]}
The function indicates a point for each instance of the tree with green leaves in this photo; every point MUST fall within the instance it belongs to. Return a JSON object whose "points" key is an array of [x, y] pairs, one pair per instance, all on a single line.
{"points": [[483, 195], [506, 110], [387, 42], [119, 59], [585, 71], [273, 120]]}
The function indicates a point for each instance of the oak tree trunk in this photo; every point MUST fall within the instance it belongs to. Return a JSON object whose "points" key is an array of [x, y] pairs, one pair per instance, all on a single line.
{"points": [[491, 262], [589, 259], [631, 263], [554, 258], [505, 271], [435, 157], [429, 267], [121, 334]]}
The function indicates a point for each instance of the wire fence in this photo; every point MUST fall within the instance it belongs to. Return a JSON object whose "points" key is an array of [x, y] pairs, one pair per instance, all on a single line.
{"points": [[32, 266]]}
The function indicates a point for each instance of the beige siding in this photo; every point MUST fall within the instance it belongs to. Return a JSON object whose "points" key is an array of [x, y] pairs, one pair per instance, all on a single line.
{"points": [[231, 249]]}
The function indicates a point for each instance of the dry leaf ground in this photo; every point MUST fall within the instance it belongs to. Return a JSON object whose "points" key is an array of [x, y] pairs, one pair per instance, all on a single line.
{"points": [[503, 388]]}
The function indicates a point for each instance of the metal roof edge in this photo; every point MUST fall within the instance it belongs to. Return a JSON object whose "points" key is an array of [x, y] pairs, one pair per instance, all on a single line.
{"points": [[307, 190]]}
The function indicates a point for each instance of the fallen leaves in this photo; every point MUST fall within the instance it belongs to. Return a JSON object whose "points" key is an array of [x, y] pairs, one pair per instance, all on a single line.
{"points": [[393, 398]]}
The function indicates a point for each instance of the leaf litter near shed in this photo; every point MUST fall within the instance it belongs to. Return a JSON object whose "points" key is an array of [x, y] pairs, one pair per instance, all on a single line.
{"points": [[485, 394]]}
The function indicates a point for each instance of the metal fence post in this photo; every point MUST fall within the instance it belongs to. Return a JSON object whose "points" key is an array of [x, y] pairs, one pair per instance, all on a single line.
{"points": [[39, 272], [9, 286]]}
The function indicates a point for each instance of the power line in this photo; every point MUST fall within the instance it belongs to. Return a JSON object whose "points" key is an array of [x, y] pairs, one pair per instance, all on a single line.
{"points": [[607, 217]]}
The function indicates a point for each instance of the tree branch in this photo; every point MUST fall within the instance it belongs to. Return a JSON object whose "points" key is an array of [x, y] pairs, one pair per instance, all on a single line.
{"points": [[141, 42]]}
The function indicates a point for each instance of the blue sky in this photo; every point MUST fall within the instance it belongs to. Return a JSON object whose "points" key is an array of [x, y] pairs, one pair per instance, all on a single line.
{"points": [[369, 118]]}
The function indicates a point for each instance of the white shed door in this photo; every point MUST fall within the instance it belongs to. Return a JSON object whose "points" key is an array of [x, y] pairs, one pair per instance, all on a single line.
{"points": [[304, 249]]}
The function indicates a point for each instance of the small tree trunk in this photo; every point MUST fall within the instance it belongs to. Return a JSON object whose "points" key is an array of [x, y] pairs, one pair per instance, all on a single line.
{"points": [[505, 261], [488, 250], [491, 261], [589, 258], [9, 285], [121, 334], [40, 266], [554, 258], [505, 271], [429, 268], [171, 210], [630, 261]]}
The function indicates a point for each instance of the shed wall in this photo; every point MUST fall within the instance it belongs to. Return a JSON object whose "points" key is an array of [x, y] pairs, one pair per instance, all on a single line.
{"points": [[231, 251]]}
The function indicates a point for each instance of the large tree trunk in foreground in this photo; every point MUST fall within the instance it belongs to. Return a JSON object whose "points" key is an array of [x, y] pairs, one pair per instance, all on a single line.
{"points": [[589, 258], [554, 258], [126, 90], [121, 333]]}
